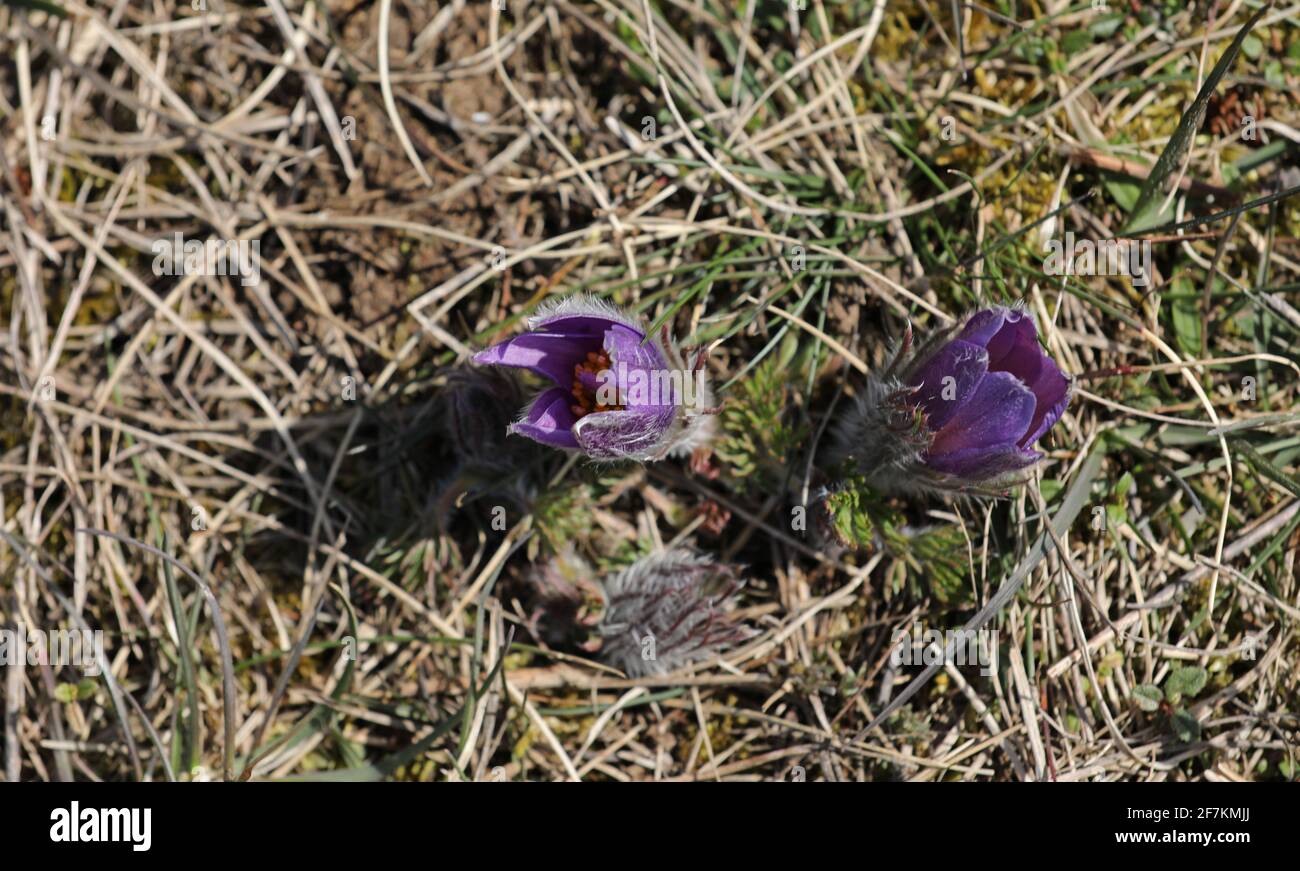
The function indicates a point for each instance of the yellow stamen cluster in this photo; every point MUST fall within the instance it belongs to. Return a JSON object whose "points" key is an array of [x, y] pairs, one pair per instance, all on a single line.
{"points": [[586, 403]]}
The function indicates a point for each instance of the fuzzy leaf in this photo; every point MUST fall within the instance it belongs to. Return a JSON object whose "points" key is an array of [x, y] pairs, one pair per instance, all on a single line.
{"points": [[1185, 726], [1147, 696], [1184, 682]]}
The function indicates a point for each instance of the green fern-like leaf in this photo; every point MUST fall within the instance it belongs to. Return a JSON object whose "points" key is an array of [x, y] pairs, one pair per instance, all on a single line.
{"points": [[938, 558], [850, 517], [861, 518], [564, 515], [757, 438], [931, 560]]}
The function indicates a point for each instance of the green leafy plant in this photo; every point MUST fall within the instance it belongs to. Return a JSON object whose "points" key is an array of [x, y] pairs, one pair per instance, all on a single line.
{"points": [[563, 515], [758, 438], [1182, 682], [931, 559]]}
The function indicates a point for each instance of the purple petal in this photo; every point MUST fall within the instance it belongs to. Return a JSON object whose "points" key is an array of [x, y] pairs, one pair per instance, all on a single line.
{"points": [[550, 420], [583, 314], [984, 325], [1015, 349], [965, 364], [1052, 394], [612, 435], [641, 371], [550, 354], [578, 324], [997, 415], [982, 463]]}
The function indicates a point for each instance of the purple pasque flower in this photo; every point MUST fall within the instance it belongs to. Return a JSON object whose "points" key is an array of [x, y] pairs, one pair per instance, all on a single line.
{"points": [[988, 395], [965, 411], [616, 393]]}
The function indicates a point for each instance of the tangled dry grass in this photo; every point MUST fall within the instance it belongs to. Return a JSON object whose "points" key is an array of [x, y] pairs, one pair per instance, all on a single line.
{"points": [[280, 499]]}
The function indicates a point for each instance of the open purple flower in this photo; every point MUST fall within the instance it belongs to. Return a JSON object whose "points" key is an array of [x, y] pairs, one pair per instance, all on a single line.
{"points": [[967, 411], [616, 394]]}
